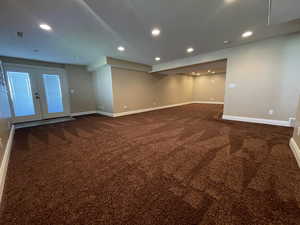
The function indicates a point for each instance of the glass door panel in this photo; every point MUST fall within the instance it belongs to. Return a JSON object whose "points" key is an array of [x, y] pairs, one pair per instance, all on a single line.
{"points": [[21, 93], [21, 88], [53, 93]]}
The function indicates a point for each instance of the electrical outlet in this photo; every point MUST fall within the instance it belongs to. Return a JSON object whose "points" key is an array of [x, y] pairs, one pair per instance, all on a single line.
{"points": [[271, 112], [72, 91], [125, 107], [292, 121]]}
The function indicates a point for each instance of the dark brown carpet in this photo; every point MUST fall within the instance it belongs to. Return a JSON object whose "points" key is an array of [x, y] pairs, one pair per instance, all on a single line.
{"points": [[182, 166]]}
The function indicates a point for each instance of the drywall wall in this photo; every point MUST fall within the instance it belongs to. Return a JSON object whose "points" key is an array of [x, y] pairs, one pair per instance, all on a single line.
{"points": [[209, 88], [133, 90], [5, 115], [102, 85], [82, 95], [127, 64], [260, 76], [296, 137]]}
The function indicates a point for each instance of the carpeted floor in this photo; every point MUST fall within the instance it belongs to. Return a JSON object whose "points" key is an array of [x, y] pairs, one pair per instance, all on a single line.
{"points": [[181, 165]]}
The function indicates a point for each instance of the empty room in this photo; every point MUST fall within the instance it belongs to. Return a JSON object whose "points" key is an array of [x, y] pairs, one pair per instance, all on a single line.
{"points": [[161, 112]]}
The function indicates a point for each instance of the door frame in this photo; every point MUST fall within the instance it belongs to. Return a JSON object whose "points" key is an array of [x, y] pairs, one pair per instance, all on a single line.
{"points": [[36, 70]]}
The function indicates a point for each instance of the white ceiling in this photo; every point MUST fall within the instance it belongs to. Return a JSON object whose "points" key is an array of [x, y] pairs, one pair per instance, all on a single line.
{"points": [[86, 30]]}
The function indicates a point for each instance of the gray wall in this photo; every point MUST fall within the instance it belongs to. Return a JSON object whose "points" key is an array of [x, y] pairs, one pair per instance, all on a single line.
{"points": [[102, 84], [134, 90], [209, 88], [296, 136], [80, 81], [265, 73], [4, 120]]}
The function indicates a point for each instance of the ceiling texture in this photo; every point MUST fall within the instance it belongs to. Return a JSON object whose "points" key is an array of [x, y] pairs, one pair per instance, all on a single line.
{"points": [[86, 30]]}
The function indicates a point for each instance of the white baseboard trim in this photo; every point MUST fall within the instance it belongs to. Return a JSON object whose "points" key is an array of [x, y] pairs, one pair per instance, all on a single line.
{"points": [[208, 102], [5, 160], [149, 109], [154, 108], [296, 150], [83, 113], [43, 122], [258, 120], [105, 113]]}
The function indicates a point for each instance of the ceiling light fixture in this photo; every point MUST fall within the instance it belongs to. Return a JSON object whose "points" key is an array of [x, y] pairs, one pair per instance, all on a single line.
{"points": [[121, 48], [189, 50], [226, 42], [155, 32], [157, 58], [45, 27], [229, 1], [247, 34], [208, 71]]}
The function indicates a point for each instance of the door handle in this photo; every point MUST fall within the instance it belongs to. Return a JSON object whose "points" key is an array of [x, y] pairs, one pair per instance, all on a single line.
{"points": [[37, 96]]}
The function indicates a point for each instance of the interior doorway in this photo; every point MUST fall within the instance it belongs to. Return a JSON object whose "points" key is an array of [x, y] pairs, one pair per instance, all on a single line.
{"points": [[37, 93]]}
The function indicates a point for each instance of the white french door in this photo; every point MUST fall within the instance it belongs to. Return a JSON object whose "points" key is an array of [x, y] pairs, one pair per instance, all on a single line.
{"points": [[37, 92]]}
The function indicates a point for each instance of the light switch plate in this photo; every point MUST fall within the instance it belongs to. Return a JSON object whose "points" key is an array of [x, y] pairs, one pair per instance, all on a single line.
{"points": [[232, 85]]}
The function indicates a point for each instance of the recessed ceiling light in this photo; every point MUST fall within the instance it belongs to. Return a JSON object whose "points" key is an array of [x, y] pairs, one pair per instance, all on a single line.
{"points": [[229, 1], [189, 50], [157, 58], [121, 48], [247, 34], [155, 32], [45, 27], [226, 42]]}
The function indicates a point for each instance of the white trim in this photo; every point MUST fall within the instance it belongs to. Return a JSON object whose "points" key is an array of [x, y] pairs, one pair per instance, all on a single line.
{"points": [[105, 113], [152, 109], [208, 102], [258, 120], [83, 113], [296, 150], [43, 122], [149, 109], [132, 68], [5, 160]]}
